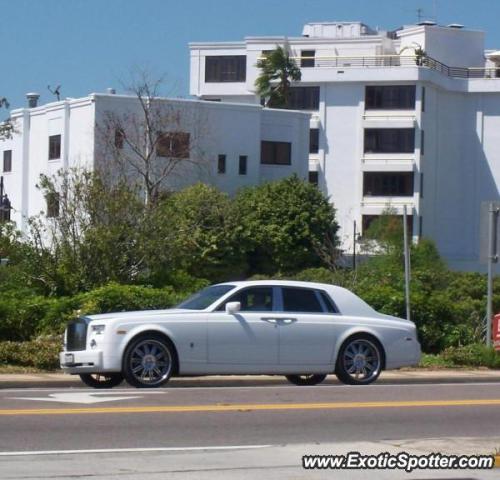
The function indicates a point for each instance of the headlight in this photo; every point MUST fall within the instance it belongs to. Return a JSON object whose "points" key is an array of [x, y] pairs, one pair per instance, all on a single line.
{"points": [[98, 329]]}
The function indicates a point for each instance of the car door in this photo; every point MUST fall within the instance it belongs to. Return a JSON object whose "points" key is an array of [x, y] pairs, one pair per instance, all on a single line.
{"points": [[307, 328], [249, 337]]}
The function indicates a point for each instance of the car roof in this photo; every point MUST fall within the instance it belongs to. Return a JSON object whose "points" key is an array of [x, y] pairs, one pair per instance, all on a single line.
{"points": [[347, 302]]}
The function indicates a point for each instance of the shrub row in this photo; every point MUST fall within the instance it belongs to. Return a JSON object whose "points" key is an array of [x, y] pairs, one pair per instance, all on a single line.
{"points": [[42, 353], [23, 318]]}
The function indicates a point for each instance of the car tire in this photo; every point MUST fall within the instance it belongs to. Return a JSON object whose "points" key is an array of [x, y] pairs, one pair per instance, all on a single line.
{"points": [[360, 360], [149, 361], [102, 380], [302, 380]]}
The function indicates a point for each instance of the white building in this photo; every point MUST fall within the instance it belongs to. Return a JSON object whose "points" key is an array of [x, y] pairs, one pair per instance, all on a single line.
{"points": [[236, 144], [388, 126]]}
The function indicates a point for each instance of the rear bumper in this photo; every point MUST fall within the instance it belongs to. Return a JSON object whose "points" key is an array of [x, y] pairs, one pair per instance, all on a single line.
{"points": [[84, 361]]}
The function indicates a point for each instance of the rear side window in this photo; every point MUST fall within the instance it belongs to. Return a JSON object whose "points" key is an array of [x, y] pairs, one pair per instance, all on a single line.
{"points": [[330, 307], [300, 300]]}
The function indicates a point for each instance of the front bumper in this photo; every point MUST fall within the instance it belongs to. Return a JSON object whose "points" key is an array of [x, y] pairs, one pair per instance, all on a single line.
{"points": [[84, 361]]}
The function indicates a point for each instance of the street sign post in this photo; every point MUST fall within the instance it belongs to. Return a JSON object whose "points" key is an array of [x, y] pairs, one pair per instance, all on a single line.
{"points": [[489, 252]]}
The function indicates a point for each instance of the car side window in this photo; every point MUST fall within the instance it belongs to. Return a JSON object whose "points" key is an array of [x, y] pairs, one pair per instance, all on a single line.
{"points": [[330, 306], [255, 299], [301, 300]]}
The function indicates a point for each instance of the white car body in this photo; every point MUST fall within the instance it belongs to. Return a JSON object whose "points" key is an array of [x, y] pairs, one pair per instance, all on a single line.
{"points": [[210, 341]]}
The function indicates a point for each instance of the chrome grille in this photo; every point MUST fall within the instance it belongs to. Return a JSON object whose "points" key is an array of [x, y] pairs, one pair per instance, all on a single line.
{"points": [[76, 335]]}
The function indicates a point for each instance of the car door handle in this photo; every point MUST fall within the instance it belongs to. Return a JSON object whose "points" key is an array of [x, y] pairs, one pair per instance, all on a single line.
{"points": [[269, 319], [287, 321]]}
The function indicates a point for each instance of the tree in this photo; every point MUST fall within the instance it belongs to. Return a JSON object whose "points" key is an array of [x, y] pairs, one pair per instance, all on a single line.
{"points": [[278, 69], [279, 225], [92, 233], [6, 127], [152, 140], [200, 227]]}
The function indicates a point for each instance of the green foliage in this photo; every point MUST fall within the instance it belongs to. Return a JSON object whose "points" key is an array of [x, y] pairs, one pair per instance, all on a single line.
{"points": [[473, 355], [280, 224], [42, 353], [23, 318], [277, 70], [430, 360], [200, 227]]}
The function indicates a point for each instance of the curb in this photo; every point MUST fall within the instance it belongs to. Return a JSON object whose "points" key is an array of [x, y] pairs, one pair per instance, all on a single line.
{"points": [[59, 380]]}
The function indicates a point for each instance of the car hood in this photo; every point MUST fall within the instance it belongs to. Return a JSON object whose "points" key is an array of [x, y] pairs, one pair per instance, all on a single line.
{"points": [[138, 314]]}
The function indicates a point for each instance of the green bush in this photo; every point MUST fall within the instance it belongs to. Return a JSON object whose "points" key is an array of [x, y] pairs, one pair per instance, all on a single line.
{"points": [[42, 353], [474, 355], [23, 318]]}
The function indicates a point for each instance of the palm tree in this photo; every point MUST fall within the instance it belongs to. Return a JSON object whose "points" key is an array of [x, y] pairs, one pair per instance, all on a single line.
{"points": [[278, 69]]}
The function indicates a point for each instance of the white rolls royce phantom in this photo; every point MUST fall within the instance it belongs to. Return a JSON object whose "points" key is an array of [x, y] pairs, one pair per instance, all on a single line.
{"points": [[301, 330]]}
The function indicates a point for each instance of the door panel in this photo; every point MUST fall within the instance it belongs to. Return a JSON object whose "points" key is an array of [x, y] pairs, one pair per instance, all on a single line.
{"points": [[246, 338], [306, 340]]}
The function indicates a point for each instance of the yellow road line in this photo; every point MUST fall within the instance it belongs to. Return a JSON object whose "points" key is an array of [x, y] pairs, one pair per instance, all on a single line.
{"points": [[246, 407]]}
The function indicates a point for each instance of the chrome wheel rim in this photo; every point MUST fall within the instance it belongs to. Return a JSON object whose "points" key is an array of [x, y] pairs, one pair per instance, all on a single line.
{"points": [[361, 360], [150, 362]]}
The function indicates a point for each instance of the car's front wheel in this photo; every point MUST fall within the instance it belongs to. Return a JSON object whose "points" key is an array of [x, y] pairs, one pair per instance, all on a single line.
{"points": [[148, 361], [101, 380], [359, 361], [312, 379]]}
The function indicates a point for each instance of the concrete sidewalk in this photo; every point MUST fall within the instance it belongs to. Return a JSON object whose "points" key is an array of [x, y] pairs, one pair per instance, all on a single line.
{"points": [[407, 376]]}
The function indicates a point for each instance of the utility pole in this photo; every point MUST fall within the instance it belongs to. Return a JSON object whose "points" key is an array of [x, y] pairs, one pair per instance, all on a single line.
{"points": [[407, 264], [493, 212]]}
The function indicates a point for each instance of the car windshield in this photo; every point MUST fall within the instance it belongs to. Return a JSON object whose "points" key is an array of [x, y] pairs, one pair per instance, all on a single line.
{"points": [[204, 298]]}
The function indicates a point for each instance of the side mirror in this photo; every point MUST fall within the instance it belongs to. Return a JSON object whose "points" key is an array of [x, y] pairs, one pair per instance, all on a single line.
{"points": [[233, 307]]}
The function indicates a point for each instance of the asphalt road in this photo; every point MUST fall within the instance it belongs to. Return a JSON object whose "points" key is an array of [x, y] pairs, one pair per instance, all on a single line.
{"points": [[191, 425]]}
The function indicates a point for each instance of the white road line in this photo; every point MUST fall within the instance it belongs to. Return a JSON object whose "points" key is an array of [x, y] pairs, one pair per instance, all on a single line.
{"points": [[173, 388], [130, 450]]}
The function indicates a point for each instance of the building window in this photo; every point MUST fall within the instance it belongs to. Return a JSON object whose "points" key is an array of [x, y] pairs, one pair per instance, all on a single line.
{"points": [[7, 161], [227, 68], [242, 167], [52, 200], [423, 99], [54, 147], [388, 184], [307, 58], [421, 185], [390, 97], [303, 98], [276, 153], [422, 142], [221, 164], [389, 140], [119, 138], [313, 178], [173, 145], [367, 220], [314, 140]]}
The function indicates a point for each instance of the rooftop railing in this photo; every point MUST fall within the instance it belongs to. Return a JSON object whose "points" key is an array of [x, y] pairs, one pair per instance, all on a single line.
{"points": [[380, 61]]}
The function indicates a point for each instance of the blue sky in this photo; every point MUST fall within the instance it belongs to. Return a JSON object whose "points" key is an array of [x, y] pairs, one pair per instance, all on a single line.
{"points": [[89, 45]]}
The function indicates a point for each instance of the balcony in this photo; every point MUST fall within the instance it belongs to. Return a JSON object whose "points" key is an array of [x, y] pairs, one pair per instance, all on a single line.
{"points": [[390, 61]]}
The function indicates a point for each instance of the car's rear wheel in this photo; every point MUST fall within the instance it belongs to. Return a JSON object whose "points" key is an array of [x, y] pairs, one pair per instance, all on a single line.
{"points": [[311, 379], [101, 380], [359, 361], [148, 361]]}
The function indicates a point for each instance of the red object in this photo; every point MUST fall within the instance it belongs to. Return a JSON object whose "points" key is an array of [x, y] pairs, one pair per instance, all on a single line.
{"points": [[495, 331]]}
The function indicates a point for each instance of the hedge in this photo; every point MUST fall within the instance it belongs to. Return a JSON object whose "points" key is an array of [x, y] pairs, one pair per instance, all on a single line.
{"points": [[22, 319]]}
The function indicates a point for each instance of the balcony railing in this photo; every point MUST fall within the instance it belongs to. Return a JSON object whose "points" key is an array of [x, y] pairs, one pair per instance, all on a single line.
{"points": [[381, 61]]}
